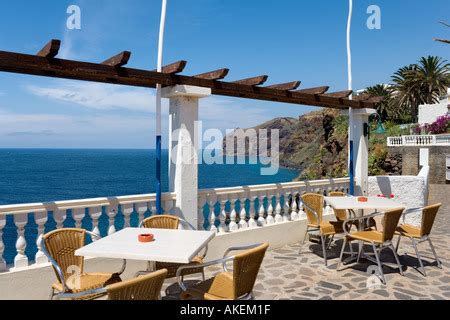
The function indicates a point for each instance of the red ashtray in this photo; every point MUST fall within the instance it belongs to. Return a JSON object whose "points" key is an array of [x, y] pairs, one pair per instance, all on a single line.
{"points": [[145, 238], [363, 199]]}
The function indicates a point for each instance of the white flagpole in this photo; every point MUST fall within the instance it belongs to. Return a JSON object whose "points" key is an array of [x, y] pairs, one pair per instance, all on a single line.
{"points": [[158, 108], [350, 110]]}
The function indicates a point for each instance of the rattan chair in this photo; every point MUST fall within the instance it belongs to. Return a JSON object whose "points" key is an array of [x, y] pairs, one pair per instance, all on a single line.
{"points": [[145, 287], [313, 204], [420, 234], [172, 222], [228, 285], [59, 246], [379, 240]]}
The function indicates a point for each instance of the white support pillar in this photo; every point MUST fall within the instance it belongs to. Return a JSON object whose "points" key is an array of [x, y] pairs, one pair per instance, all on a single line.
{"points": [[183, 147], [361, 150]]}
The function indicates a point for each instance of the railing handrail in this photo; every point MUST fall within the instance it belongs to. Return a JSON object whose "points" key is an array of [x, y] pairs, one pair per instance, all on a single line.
{"points": [[81, 203]]}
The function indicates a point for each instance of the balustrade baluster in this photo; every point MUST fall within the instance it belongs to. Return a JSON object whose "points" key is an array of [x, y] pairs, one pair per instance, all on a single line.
{"points": [[223, 215], [243, 214], [112, 213], [41, 219], [278, 217], [270, 219], [78, 215], [21, 260], [262, 211], [252, 222], [200, 213], [2, 245], [286, 208], [212, 215], [141, 209], [127, 210], [95, 214], [294, 212], [233, 226], [59, 216]]}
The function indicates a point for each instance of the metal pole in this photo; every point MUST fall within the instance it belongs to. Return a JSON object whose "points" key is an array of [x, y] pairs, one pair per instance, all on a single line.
{"points": [[351, 166], [158, 109]]}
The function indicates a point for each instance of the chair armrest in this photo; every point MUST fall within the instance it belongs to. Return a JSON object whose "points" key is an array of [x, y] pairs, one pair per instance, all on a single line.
{"points": [[312, 211], [82, 294], [349, 222], [409, 211], [225, 268], [53, 262], [203, 265]]}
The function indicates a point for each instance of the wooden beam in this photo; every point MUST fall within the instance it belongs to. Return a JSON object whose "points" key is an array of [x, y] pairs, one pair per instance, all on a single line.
{"points": [[77, 70], [286, 86], [255, 81], [442, 40], [51, 49], [174, 68], [213, 75], [118, 60], [374, 100], [339, 94], [361, 97], [317, 90]]}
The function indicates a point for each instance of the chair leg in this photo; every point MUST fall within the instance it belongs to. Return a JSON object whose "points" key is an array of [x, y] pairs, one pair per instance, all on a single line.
{"points": [[434, 253], [203, 275], [396, 258], [324, 248], [360, 251], [398, 243], [342, 253], [380, 266], [331, 241], [418, 257], [52, 293]]}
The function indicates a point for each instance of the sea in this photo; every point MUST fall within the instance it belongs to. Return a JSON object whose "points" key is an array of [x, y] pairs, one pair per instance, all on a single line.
{"points": [[44, 175]]}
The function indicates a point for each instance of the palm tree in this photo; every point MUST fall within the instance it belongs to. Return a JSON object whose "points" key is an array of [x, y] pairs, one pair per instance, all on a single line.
{"points": [[385, 108], [422, 83]]}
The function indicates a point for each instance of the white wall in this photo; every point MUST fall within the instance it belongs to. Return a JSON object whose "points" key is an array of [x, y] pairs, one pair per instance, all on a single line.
{"points": [[428, 113], [411, 191]]}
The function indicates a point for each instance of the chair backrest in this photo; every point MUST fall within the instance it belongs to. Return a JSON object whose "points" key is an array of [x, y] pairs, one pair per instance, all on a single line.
{"points": [[390, 223], [161, 222], [246, 266], [315, 202], [428, 216], [341, 214], [61, 245], [147, 287]]}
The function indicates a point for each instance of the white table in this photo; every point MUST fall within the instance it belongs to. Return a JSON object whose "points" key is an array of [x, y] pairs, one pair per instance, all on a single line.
{"points": [[352, 203], [176, 246]]}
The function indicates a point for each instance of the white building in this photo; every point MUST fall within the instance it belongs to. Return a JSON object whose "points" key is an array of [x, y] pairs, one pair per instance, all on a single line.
{"points": [[428, 113]]}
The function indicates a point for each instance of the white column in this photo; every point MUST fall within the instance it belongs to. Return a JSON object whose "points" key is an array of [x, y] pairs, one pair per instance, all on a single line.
{"points": [[21, 260], [361, 150], [183, 147], [41, 219]]}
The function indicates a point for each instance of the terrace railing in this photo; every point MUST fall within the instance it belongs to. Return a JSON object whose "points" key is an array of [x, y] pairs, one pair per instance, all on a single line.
{"points": [[419, 140], [220, 210]]}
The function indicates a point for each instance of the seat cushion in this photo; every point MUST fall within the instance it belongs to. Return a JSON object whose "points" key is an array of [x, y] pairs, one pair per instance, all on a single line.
{"points": [[172, 268], [218, 288], [331, 227], [87, 281], [367, 236], [408, 231]]}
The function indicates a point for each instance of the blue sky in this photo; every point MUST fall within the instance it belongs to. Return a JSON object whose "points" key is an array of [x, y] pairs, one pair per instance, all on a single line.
{"points": [[288, 40]]}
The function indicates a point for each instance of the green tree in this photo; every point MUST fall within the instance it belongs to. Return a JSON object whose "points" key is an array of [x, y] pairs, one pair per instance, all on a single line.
{"points": [[385, 108]]}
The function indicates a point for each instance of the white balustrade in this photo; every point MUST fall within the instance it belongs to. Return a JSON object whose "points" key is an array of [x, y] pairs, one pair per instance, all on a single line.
{"points": [[281, 206], [419, 140]]}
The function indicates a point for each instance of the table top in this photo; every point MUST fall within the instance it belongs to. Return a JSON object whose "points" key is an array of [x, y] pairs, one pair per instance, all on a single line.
{"points": [[373, 203], [176, 246]]}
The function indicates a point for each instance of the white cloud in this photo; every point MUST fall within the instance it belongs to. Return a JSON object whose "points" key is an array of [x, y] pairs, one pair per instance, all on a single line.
{"points": [[98, 96]]}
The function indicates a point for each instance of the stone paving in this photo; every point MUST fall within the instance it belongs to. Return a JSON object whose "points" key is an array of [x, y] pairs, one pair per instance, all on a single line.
{"points": [[289, 276]]}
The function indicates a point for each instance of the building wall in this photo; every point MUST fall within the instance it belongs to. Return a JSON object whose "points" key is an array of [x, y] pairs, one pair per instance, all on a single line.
{"points": [[437, 162], [428, 113]]}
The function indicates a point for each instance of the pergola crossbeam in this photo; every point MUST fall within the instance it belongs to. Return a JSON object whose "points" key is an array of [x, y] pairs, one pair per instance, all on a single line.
{"points": [[254, 81], [50, 50], [118, 60], [214, 75], [174, 68], [285, 86], [316, 90]]}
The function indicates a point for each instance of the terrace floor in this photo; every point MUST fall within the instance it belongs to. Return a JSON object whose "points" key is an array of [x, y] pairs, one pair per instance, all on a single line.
{"points": [[287, 275]]}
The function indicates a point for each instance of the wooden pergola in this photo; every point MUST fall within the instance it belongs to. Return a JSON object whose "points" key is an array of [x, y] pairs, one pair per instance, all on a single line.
{"points": [[112, 71]]}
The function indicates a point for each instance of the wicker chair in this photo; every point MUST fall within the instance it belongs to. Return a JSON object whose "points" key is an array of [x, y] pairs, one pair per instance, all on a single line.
{"points": [[379, 240], [59, 246], [173, 223], [228, 285], [313, 205], [422, 234], [146, 287]]}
